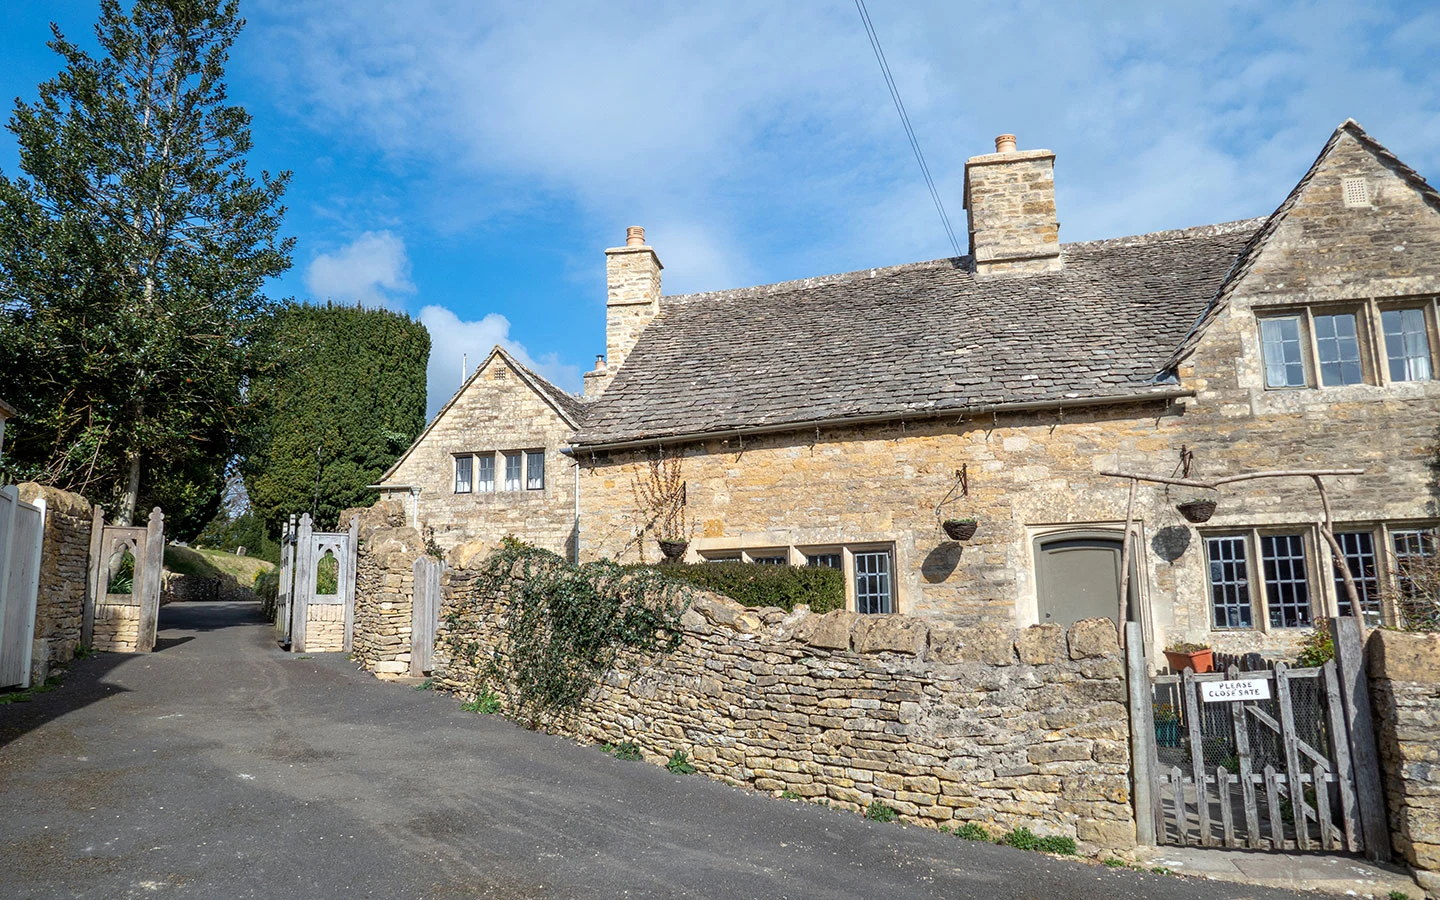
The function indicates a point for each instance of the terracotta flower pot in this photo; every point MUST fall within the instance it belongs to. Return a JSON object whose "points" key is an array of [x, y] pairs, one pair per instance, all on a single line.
{"points": [[959, 530], [673, 550], [1198, 660], [1197, 511]]}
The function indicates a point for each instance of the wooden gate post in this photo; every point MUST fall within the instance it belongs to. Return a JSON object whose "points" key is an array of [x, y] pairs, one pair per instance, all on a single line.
{"points": [[424, 613], [1143, 760], [1360, 726], [148, 586], [10, 513], [304, 582], [93, 589], [347, 580]]}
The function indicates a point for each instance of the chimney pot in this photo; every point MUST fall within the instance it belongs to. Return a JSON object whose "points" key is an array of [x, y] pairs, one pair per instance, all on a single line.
{"points": [[1005, 143], [599, 361], [635, 235]]}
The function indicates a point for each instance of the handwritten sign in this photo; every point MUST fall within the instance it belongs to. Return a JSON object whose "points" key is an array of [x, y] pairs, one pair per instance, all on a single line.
{"points": [[1228, 691]]}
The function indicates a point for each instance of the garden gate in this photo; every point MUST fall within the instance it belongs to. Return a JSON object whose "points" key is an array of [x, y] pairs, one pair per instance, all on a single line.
{"points": [[1266, 758], [316, 599], [22, 531], [122, 600]]}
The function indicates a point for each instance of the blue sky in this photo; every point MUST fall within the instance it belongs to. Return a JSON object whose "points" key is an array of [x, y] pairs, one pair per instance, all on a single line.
{"points": [[468, 162]]}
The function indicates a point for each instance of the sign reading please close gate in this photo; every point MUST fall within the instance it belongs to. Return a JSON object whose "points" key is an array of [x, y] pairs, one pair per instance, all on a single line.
{"points": [[1225, 691]]}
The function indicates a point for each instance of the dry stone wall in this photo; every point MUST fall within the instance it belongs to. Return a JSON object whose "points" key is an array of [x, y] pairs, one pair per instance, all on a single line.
{"points": [[64, 570], [384, 588], [1404, 673], [995, 725]]}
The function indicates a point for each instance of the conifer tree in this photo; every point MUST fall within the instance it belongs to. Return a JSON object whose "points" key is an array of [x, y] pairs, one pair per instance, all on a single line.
{"points": [[133, 251]]}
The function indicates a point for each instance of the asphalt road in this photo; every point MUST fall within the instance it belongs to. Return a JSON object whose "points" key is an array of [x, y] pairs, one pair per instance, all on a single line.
{"points": [[221, 767]]}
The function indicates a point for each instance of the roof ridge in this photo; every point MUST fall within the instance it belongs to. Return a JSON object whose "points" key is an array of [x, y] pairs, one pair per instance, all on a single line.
{"points": [[960, 262]]}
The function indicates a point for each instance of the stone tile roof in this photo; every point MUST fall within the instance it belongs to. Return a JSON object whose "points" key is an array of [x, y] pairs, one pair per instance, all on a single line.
{"points": [[917, 339]]}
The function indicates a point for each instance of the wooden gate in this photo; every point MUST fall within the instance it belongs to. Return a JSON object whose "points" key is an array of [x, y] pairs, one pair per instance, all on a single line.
{"points": [[1278, 758], [317, 587], [22, 532], [424, 613], [122, 602]]}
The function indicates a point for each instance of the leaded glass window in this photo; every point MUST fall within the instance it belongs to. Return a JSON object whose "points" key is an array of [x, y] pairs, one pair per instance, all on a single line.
{"points": [[1287, 581], [462, 474], [1407, 346], [1359, 548], [1284, 356], [1229, 582], [1338, 344], [873, 583]]}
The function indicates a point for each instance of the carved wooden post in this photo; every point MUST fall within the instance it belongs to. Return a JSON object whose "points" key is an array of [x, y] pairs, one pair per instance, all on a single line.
{"points": [[1360, 726], [347, 580], [304, 582], [94, 590], [424, 613], [147, 584]]}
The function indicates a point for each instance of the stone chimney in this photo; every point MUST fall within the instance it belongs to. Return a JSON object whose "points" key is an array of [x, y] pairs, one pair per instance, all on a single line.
{"points": [[632, 280], [1010, 201]]}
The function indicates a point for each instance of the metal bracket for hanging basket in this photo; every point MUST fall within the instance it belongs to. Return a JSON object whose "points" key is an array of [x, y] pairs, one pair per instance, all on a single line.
{"points": [[957, 529]]}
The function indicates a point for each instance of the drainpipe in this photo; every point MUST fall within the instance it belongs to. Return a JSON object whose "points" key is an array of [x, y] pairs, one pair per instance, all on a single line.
{"points": [[576, 464]]}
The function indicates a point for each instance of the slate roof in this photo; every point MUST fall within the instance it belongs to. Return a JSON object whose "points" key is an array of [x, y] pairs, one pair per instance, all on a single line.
{"points": [[917, 339]]}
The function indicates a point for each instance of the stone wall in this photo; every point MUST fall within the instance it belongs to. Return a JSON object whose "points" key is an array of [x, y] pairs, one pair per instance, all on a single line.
{"points": [[384, 589], [64, 571], [325, 628], [495, 412], [1404, 673], [117, 627], [995, 725]]}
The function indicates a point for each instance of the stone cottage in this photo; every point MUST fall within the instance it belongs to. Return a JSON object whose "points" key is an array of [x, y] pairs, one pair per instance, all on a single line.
{"points": [[490, 463], [835, 421]]}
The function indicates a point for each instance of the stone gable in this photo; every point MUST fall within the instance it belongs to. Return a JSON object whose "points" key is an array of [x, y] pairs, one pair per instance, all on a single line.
{"points": [[498, 410]]}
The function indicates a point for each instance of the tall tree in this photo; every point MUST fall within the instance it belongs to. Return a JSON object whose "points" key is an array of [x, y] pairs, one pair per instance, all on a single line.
{"points": [[132, 259], [339, 394]]}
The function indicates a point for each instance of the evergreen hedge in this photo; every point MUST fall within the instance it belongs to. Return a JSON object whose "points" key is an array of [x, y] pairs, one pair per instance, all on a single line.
{"points": [[756, 584]]}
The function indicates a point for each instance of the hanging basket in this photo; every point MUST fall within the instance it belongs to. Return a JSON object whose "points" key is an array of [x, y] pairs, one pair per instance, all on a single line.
{"points": [[1196, 511], [960, 529], [673, 550]]}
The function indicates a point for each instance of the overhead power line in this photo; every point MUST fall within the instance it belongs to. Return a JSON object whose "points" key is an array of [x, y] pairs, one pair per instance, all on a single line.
{"points": [[905, 121]]}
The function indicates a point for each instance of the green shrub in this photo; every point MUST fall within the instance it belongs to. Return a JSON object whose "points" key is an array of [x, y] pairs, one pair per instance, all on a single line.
{"points": [[1020, 838], [972, 831], [267, 588], [629, 751], [1061, 846], [680, 764], [1316, 648], [756, 585], [879, 812], [486, 703]]}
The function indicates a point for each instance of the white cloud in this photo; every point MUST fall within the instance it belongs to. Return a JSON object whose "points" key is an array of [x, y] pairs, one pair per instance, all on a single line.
{"points": [[453, 340], [760, 137], [372, 270]]}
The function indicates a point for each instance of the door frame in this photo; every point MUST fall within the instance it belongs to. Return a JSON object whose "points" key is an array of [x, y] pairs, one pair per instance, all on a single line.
{"points": [[1027, 611]]}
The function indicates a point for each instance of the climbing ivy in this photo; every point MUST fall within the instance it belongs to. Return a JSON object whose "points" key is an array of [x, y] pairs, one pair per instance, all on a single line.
{"points": [[564, 625]]}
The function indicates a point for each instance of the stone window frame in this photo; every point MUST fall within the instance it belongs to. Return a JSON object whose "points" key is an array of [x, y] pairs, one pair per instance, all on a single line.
{"points": [[1325, 592], [798, 555], [1426, 305], [1322, 601], [1383, 534], [469, 484], [1370, 335]]}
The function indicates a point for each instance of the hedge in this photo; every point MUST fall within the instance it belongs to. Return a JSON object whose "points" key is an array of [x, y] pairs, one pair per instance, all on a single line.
{"points": [[756, 584]]}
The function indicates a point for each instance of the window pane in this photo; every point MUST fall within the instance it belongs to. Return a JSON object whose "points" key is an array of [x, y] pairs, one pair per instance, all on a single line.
{"points": [[462, 474], [872, 582], [770, 559], [485, 476], [1229, 582], [1407, 346], [824, 561], [535, 470], [1339, 349], [513, 463], [1414, 565], [1284, 363], [1286, 580], [1359, 547]]}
